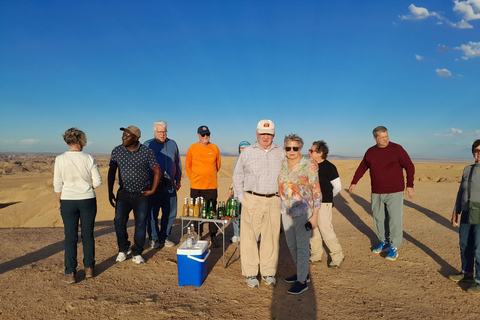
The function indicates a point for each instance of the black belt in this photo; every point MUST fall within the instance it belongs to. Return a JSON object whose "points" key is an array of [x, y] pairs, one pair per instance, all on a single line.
{"points": [[269, 195]]}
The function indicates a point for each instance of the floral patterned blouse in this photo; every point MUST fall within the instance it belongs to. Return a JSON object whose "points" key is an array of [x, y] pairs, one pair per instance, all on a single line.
{"points": [[299, 189]]}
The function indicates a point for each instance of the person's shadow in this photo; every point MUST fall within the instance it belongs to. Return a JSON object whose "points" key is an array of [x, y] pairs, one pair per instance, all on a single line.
{"points": [[342, 206]]}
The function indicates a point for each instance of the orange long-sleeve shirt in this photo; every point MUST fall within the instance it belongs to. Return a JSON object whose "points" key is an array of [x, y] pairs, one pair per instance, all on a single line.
{"points": [[202, 164]]}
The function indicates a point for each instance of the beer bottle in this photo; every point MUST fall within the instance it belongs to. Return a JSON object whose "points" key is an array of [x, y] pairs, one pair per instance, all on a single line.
{"points": [[185, 208], [190, 209], [195, 208]]}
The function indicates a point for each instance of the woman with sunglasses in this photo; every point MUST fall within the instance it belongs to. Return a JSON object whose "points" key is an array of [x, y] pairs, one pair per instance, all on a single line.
{"points": [[301, 197]]}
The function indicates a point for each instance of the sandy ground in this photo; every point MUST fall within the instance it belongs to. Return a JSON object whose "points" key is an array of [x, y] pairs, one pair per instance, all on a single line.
{"points": [[366, 286]]}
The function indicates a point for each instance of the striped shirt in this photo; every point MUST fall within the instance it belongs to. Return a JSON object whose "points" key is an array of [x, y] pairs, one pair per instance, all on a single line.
{"points": [[257, 170]]}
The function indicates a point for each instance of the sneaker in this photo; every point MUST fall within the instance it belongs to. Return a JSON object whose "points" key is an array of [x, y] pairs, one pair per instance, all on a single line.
{"points": [[252, 282], [88, 273], [293, 278], [169, 243], [235, 239], [298, 288], [122, 256], [461, 277], [138, 259], [215, 242], [154, 244], [315, 261], [381, 247], [475, 288], [392, 254], [68, 278], [270, 280], [335, 264]]}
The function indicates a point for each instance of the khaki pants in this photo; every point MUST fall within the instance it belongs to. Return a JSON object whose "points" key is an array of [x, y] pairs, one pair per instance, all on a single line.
{"points": [[325, 231], [260, 216]]}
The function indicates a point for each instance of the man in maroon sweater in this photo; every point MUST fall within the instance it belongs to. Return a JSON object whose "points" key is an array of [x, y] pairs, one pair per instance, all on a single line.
{"points": [[386, 161]]}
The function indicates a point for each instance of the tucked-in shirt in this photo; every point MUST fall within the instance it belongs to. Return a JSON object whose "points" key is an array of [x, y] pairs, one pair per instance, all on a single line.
{"points": [[202, 164], [462, 204], [299, 189], [257, 170], [133, 167], [168, 157], [76, 175], [386, 169]]}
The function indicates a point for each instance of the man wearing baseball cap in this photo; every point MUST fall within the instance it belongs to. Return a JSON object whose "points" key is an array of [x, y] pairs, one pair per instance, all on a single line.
{"points": [[202, 164], [133, 161], [256, 186]]}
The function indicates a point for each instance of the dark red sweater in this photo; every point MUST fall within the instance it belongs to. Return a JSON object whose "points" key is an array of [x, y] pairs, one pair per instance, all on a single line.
{"points": [[386, 168]]}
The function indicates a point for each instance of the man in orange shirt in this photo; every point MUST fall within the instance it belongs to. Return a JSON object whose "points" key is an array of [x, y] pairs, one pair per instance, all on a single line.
{"points": [[202, 164]]}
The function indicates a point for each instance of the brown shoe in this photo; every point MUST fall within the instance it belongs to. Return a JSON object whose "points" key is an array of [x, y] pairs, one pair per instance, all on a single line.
{"points": [[88, 273], [68, 278]]}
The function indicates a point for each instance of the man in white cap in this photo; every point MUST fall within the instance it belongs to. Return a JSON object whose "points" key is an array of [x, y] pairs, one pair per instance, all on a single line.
{"points": [[256, 186]]}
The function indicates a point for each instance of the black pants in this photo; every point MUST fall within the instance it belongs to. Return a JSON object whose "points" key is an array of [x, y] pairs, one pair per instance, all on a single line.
{"points": [[208, 195]]}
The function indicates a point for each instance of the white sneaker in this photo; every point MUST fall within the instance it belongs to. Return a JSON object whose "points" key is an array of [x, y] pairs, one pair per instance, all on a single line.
{"points": [[270, 280], [155, 244], [235, 239], [169, 243], [138, 259], [122, 256], [252, 282]]}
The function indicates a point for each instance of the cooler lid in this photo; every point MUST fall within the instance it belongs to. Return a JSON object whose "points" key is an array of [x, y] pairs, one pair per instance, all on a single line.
{"points": [[198, 249]]}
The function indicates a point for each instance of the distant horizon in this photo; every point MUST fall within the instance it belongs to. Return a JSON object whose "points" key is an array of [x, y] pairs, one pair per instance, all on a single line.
{"points": [[321, 69]]}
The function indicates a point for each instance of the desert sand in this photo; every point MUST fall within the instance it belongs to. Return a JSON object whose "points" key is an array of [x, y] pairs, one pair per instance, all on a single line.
{"points": [[416, 286]]}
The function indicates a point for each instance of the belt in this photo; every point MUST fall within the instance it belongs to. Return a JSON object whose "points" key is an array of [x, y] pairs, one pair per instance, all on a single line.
{"points": [[268, 195]]}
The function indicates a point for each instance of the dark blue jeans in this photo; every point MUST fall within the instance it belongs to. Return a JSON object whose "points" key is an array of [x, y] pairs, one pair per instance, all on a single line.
{"points": [[469, 246], [72, 212], [167, 201], [126, 202]]}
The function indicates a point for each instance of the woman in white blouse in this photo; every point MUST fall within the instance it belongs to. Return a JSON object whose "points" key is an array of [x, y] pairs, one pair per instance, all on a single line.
{"points": [[75, 176]]}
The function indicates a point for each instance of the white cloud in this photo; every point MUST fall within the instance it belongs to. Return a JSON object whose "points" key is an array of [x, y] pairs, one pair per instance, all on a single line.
{"points": [[469, 9], [417, 13], [444, 73], [459, 132], [471, 50], [418, 57], [28, 141]]}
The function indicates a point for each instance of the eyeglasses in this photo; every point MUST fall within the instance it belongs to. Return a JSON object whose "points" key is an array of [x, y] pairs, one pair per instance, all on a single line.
{"points": [[476, 151], [161, 132], [205, 134], [290, 148], [310, 151]]}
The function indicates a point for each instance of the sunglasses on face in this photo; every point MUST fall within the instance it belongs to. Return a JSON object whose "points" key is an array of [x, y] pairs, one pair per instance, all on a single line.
{"points": [[205, 135], [310, 150], [290, 148]]}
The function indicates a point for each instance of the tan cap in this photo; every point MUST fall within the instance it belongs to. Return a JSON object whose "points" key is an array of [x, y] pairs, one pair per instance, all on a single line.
{"points": [[266, 126], [133, 130]]}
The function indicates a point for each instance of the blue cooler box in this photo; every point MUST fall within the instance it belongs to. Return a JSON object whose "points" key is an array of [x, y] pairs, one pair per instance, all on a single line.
{"points": [[192, 263]]}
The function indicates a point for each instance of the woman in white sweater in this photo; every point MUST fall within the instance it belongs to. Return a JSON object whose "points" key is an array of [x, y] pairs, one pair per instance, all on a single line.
{"points": [[75, 176]]}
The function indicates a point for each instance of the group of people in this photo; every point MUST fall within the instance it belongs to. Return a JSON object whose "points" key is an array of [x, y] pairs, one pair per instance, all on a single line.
{"points": [[275, 186]]}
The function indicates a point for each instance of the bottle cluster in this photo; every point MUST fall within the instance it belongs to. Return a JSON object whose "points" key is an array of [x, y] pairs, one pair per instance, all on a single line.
{"points": [[200, 209]]}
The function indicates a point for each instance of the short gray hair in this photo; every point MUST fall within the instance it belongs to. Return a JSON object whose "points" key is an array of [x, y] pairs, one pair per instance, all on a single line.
{"points": [[379, 129], [293, 137], [74, 136], [160, 123]]}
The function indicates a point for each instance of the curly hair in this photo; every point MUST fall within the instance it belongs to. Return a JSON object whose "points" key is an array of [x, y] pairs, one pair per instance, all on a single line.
{"points": [[293, 137], [74, 135]]}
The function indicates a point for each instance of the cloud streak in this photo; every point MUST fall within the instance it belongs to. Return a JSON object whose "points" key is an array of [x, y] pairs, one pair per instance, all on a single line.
{"points": [[453, 132], [470, 50]]}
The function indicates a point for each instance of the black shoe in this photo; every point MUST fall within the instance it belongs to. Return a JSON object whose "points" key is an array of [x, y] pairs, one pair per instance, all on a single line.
{"points": [[215, 242], [298, 288], [293, 278]]}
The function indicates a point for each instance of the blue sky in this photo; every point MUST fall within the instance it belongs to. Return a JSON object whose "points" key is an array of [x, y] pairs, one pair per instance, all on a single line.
{"points": [[329, 70]]}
